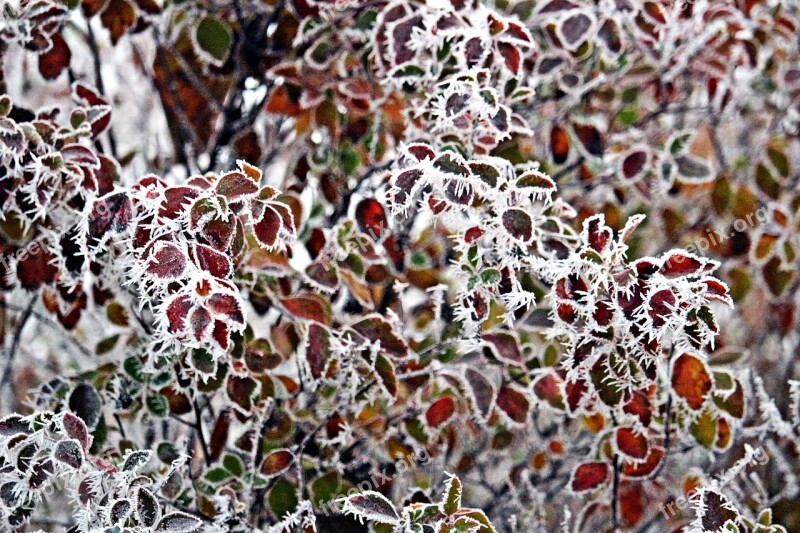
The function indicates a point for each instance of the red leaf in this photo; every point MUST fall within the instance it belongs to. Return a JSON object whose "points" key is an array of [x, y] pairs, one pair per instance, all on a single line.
{"points": [[589, 476], [405, 183], [511, 55], [421, 151], [309, 307], [643, 469], [633, 164], [377, 329], [440, 412], [268, 227], [371, 217], [609, 36], [631, 504], [109, 214], [88, 95], [590, 138], [513, 403], [317, 349], [199, 322], [118, 17], [226, 305], [281, 102], [559, 144], [235, 185], [473, 234], [401, 33], [567, 312], [640, 407], [598, 235], [215, 263], [518, 223], [76, 429], [678, 263], [575, 391], [631, 443], [56, 60], [177, 311], [504, 346], [34, 268], [220, 334], [176, 199], [716, 512], [717, 290], [662, 304], [603, 313], [166, 261], [547, 389]]}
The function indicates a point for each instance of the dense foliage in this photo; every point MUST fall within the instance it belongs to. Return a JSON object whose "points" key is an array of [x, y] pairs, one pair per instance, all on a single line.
{"points": [[399, 265]]}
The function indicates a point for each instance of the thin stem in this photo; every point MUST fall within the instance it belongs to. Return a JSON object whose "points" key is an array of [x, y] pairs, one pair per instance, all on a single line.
{"points": [[12, 352], [98, 80], [198, 426]]}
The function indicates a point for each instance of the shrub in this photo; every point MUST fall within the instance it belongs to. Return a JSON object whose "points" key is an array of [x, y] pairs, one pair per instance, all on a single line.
{"points": [[284, 265]]}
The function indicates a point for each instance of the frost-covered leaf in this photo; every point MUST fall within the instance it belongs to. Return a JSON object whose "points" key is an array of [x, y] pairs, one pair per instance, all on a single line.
{"points": [[147, 507], [452, 496], [178, 522], [371, 506], [69, 452], [135, 461]]}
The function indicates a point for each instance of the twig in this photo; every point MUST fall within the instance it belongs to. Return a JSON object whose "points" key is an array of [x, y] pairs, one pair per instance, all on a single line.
{"points": [[98, 79], [120, 426], [46, 320], [12, 352], [198, 426], [196, 82], [567, 169]]}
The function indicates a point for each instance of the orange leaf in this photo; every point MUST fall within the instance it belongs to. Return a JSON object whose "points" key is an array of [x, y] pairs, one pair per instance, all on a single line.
{"points": [[690, 380]]}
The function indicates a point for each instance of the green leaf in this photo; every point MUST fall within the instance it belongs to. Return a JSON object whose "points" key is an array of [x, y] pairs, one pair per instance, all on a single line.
{"points": [[325, 488], [157, 405], [106, 345], [233, 464], [133, 367], [779, 159], [452, 496], [282, 498], [213, 39], [367, 20], [490, 276], [678, 143], [704, 429], [217, 475], [350, 161], [627, 116]]}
